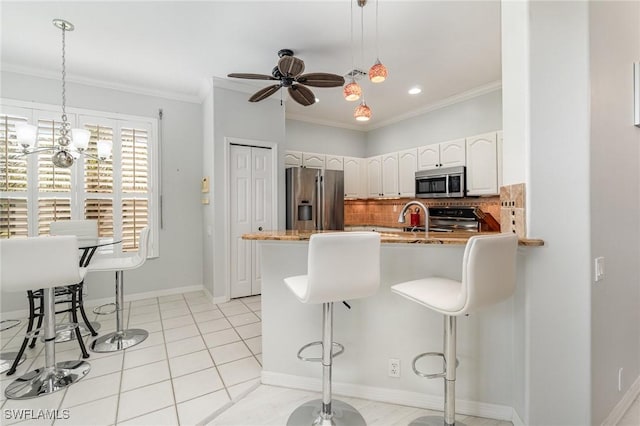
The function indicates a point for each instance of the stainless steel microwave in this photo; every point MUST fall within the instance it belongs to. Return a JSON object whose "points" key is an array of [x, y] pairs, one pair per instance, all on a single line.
{"points": [[440, 183]]}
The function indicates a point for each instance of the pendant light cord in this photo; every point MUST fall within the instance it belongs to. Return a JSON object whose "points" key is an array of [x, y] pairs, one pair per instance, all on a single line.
{"points": [[362, 36], [377, 38]]}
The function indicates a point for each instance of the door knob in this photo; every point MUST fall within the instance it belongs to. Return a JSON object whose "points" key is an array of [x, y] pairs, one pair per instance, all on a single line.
{"points": [[260, 228]]}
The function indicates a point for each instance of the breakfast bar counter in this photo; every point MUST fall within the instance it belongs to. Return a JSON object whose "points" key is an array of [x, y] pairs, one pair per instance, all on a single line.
{"points": [[455, 238], [386, 326]]}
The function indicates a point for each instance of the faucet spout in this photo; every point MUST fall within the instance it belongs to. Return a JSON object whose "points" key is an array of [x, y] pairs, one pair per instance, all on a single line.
{"points": [[404, 210]]}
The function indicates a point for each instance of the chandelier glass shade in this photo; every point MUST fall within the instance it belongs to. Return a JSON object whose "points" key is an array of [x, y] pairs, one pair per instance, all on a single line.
{"points": [[352, 91], [378, 72], [71, 143], [362, 112]]}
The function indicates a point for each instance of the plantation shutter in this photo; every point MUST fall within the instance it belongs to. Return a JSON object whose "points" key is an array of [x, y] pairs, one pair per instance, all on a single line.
{"points": [[100, 210], [50, 177], [51, 210], [98, 175], [135, 184], [14, 219]]}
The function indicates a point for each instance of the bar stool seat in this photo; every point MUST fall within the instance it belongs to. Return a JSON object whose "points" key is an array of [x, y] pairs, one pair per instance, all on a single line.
{"points": [[488, 277], [31, 264], [341, 266]]}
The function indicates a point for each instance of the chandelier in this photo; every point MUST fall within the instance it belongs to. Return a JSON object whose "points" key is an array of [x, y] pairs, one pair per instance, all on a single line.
{"points": [[378, 73], [71, 143]]}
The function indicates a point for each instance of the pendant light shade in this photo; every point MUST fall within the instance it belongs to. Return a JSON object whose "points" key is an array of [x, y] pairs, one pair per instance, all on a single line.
{"points": [[26, 135], [352, 91], [378, 72], [80, 138], [104, 149], [362, 112]]}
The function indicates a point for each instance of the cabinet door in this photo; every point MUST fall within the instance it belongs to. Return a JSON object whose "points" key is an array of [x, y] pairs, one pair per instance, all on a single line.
{"points": [[428, 157], [407, 166], [453, 153], [314, 161], [482, 165], [353, 182], [390, 175], [334, 162], [292, 158], [374, 177]]}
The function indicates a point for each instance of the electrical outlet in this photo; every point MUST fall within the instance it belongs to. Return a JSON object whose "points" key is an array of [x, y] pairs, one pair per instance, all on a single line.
{"points": [[394, 367], [620, 380], [599, 268]]}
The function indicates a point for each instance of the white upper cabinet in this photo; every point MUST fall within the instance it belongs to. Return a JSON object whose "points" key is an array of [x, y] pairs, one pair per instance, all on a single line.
{"points": [[292, 158], [374, 176], [445, 154], [390, 175], [482, 164], [355, 179], [407, 166], [334, 162], [311, 160], [428, 157], [453, 153]]}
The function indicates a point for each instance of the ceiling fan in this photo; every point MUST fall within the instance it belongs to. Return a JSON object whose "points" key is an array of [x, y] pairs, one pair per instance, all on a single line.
{"points": [[289, 73]]}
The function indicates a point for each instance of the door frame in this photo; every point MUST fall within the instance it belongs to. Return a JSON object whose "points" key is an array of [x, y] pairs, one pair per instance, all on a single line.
{"points": [[228, 141]]}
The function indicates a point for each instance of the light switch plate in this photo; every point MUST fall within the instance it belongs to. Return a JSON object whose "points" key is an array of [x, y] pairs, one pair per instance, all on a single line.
{"points": [[599, 268]]}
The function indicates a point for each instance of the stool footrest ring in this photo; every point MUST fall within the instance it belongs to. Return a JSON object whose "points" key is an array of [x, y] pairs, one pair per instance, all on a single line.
{"points": [[434, 375], [60, 328], [98, 309], [308, 345]]}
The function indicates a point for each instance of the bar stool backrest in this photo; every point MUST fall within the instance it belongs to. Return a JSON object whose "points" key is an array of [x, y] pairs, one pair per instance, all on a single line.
{"points": [[125, 262], [39, 262], [343, 266], [83, 229], [489, 270]]}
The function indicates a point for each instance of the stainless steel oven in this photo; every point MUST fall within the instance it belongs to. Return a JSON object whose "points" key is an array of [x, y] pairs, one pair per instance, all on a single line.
{"points": [[440, 183]]}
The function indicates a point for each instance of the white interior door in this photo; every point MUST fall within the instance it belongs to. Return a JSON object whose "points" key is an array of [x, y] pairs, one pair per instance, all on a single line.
{"points": [[250, 177]]}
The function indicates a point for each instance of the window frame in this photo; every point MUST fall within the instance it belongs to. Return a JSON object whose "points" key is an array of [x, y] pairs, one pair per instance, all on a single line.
{"points": [[78, 117]]}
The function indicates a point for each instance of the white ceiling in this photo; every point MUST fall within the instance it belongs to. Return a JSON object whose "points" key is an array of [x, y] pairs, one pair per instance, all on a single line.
{"points": [[173, 48]]}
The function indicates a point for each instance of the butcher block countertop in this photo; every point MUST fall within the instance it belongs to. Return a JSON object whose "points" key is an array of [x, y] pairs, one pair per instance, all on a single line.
{"points": [[455, 238]]}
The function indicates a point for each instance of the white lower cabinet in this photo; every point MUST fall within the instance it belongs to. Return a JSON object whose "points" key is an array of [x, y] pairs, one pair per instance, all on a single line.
{"points": [[482, 164]]}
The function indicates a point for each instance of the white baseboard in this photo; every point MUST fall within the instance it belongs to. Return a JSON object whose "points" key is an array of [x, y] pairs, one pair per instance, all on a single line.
{"points": [[516, 420], [621, 407], [218, 300], [23, 313], [393, 396]]}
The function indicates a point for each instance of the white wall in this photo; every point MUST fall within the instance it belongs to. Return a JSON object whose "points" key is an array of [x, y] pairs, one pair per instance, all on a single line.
{"points": [[232, 116], [180, 262], [615, 198], [474, 116], [310, 137]]}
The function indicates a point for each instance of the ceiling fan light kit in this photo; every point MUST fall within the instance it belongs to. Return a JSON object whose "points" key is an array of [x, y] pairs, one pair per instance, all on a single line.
{"points": [[289, 74]]}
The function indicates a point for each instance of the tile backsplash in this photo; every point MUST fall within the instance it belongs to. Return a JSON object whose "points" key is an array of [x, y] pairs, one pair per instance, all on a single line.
{"points": [[385, 212], [513, 209]]}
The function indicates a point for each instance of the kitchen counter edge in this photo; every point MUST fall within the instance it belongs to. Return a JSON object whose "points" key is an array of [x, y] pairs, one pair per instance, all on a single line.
{"points": [[454, 238]]}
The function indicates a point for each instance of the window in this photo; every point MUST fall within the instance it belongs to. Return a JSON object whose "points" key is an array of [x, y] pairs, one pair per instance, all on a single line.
{"points": [[119, 193]]}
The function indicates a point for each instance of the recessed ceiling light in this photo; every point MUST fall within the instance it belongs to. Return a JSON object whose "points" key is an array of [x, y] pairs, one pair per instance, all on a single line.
{"points": [[415, 90]]}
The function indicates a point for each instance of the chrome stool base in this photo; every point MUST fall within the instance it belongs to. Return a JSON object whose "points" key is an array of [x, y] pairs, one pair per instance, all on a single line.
{"points": [[67, 335], [7, 358], [433, 421], [119, 340], [43, 381], [309, 414]]}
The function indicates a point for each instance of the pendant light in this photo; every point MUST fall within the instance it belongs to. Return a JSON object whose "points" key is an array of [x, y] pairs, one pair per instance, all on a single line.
{"points": [[362, 112], [352, 90], [378, 72]]}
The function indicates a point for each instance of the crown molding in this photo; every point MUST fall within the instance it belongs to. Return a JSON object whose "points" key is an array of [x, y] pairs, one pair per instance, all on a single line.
{"points": [[451, 100], [103, 84]]}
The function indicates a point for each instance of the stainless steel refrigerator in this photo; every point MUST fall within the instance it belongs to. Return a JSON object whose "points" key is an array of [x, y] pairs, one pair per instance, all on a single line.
{"points": [[315, 199]]}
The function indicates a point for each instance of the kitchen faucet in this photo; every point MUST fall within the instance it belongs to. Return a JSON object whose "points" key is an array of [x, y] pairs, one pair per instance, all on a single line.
{"points": [[426, 212]]}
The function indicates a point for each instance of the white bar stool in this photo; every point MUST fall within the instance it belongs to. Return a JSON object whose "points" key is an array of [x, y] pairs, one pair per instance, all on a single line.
{"points": [[121, 338], [341, 266], [32, 264], [7, 358], [488, 277]]}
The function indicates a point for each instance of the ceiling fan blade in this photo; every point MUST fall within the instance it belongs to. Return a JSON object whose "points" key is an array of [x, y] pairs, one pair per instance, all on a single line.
{"points": [[264, 93], [321, 79], [251, 76], [290, 66], [302, 95]]}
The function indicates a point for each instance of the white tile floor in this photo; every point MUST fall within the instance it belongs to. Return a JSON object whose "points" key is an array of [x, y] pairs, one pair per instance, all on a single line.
{"points": [[199, 360], [194, 362]]}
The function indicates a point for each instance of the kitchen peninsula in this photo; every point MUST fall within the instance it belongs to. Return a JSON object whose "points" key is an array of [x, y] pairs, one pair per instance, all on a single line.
{"points": [[385, 326]]}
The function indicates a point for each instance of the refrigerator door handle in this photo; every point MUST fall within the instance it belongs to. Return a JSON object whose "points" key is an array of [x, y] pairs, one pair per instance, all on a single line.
{"points": [[319, 203]]}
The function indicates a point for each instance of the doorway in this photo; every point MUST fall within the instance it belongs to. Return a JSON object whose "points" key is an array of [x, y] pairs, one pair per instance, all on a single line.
{"points": [[251, 202]]}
